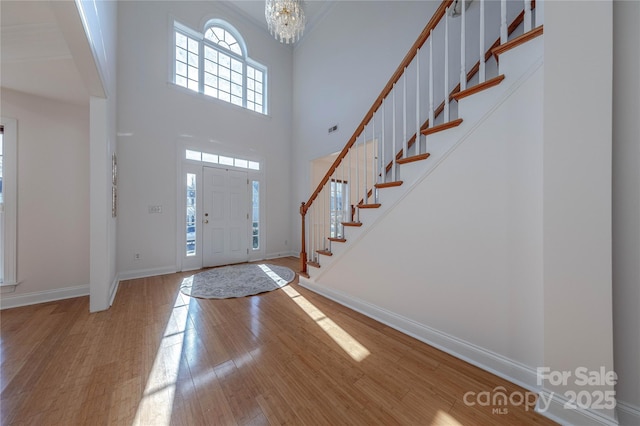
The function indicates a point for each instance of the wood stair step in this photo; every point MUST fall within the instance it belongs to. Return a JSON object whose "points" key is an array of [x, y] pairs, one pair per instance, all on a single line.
{"points": [[413, 158], [338, 240], [369, 206], [314, 264], [324, 252], [441, 127], [478, 87], [388, 184], [351, 223], [497, 51]]}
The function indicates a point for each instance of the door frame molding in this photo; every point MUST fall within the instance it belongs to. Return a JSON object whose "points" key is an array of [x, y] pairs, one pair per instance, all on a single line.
{"points": [[184, 166], [10, 205]]}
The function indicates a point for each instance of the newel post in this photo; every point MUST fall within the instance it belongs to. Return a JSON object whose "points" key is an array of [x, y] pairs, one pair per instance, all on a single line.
{"points": [[303, 250]]}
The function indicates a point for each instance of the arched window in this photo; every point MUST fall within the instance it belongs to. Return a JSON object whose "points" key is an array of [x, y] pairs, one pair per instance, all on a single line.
{"points": [[217, 65]]}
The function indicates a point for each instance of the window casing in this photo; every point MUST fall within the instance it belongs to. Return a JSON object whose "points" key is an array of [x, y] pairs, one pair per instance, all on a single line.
{"points": [[216, 64], [339, 194], [8, 204]]}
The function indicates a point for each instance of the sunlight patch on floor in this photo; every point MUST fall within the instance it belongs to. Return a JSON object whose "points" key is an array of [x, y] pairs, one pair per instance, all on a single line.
{"points": [[349, 344], [156, 405], [443, 418], [275, 277]]}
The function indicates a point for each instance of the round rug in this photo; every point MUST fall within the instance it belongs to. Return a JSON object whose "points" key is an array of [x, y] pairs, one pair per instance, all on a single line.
{"points": [[237, 281]]}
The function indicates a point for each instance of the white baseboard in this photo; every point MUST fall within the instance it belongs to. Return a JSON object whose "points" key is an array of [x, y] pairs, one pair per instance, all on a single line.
{"points": [[144, 273], [557, 412], [7, 302], [280, 254], [494, 363], [628, 414]]}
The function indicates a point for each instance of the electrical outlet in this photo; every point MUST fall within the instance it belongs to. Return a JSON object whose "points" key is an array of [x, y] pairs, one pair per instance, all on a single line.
{"points": [[155, 209], [137, 256]]}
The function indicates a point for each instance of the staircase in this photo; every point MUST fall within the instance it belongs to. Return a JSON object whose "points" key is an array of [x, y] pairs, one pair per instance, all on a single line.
{"points": [[447, 83]]}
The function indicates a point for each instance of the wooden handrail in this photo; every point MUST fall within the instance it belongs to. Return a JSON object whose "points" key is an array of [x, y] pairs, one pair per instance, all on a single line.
{"points": [[422, 38]]}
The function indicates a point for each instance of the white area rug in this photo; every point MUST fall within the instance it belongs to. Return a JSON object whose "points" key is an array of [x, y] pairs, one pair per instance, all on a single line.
{"points": [[237, 281]]}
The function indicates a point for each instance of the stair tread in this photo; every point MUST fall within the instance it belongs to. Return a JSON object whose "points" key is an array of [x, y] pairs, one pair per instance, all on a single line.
{"points": [[443, 126], [352, 223], [369, 206], [413, 158], [324, 252], [388, 184], [338, 240], [314, 264], [521, 39], [478, 87]]}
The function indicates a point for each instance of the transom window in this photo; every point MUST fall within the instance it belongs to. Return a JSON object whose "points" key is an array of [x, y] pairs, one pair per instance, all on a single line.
{"points": [[217, 65], [207, 157]]}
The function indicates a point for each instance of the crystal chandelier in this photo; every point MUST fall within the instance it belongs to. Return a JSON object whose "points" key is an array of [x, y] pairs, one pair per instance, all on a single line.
{"points": [[285, 19]]}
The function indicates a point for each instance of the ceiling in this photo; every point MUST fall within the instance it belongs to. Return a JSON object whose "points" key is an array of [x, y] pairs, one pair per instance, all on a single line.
{"points": [[35, 56], [36, 59]]}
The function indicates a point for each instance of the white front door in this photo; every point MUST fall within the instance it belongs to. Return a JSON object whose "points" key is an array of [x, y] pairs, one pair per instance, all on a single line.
{"points": [[225, 217]]}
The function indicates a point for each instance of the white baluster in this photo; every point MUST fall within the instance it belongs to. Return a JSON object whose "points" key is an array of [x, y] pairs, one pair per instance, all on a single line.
{"points": [[482, 65], [324, 218], [309, 226], [393, 135], [311, 231], [527, 16], [405, 144], [357, 179], [344, 197], [331, 211], [383, 170], [324, 215], [417, 142], [374, 159], [431, 113], [366, 191], [503, 22], [351, 218], [463, 67], [446, 66]]}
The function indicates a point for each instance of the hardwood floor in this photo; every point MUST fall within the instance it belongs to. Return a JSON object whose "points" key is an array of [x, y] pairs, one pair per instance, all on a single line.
{"points": [[284, 357]]}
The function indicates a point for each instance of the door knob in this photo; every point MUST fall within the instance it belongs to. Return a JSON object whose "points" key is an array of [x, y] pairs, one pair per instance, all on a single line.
{"points": [[206, 221]]}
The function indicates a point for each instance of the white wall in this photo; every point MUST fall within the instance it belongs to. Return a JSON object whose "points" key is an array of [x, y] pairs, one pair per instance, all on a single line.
{"points": [[160, 116], [479, 285], [577, 192], [626, 205], [53, 196], [339, 70], [99, 18]]}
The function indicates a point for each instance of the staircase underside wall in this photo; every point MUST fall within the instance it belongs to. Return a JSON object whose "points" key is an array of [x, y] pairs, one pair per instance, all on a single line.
{"points": [[458, 261]]}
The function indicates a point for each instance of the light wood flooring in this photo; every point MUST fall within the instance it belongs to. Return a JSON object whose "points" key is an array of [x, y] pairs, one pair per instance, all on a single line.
{"points": [[285, 357]]}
